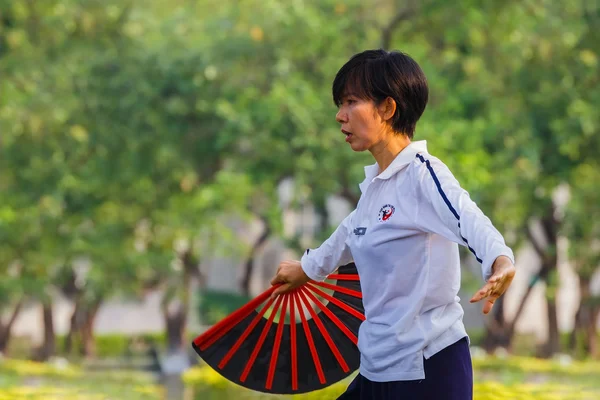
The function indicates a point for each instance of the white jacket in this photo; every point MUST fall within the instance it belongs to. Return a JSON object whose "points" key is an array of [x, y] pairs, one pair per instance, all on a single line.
{"points": [[403, 238]]}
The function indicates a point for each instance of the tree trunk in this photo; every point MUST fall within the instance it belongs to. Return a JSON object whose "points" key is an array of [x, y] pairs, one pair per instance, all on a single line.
{"points": [[249, 267], [549, 274], [592, 332], [349, 196], [581, 316], [577, 328], [496, 332], [48, 348], [500, 331], [512, 325], [175, 320], [176, 309], [552, 344], [548, 254], [323, 213], [585, 320], [499, 316], [88, 342], [6, 330], [74, 326]]}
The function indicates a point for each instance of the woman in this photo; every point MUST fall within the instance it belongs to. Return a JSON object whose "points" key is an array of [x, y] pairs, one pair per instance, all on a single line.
{"points": [[403, 237]]}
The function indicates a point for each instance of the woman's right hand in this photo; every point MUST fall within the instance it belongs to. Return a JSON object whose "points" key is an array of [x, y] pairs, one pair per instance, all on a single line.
{"points": [[290, 275]]}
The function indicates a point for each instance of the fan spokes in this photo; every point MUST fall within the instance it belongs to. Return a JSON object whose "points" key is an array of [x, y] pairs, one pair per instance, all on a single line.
{"points": [[302, 302]]}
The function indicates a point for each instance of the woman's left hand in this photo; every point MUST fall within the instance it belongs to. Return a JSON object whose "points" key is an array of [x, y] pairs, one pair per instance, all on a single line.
{"points": [[503, 272]]}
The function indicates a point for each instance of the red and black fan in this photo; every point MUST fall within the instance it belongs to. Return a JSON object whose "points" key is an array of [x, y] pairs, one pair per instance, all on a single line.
{"points": [[302, 341]]}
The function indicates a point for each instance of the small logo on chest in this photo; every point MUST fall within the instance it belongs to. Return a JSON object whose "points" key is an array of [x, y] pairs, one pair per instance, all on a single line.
{"points": [[386, 212]]}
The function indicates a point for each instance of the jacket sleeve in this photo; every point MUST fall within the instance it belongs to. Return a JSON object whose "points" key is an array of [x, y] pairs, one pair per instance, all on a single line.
{"points": [[320, 262], [446, 209]]}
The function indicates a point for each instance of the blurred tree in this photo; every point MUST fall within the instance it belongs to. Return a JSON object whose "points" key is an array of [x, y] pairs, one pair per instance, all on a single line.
{"points": [[109, 153], [134, 132], [582, 228], [44, 149]]}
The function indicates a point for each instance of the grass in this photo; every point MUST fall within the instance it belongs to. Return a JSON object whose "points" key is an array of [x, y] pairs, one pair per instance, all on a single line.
{"points": [[510, 378], [496, 378], [20, 380]]}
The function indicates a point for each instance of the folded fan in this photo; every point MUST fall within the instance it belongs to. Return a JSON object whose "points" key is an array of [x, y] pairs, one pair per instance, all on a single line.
{"points": [[302, 341]]}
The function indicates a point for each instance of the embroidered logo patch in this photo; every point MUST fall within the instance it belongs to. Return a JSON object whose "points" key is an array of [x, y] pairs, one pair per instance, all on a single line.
{"points": [[360, 231], [386, 212]]}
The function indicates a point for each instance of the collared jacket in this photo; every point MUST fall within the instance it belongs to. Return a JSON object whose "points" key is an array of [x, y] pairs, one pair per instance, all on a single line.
{"points": [[403, 237]]}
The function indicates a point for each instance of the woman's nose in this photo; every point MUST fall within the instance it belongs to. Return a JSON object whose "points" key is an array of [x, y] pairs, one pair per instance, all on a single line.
{"points": [[340, 116]]}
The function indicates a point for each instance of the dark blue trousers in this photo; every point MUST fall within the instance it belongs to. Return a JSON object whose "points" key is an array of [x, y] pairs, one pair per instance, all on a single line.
{"points": [[448, 376]]}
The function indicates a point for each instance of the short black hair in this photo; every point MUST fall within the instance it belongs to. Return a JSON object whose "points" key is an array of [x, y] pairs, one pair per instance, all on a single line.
{"points": [[379, 74]]}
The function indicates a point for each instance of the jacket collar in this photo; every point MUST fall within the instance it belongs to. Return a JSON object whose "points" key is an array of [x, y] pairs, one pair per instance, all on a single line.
{"points": [[405, 157]]}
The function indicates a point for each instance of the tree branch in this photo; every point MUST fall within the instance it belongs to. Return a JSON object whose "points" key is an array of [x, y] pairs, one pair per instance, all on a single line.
{"points": [[513, 323], [33, 23], [347, 194], [249, 266], [388, 30], [549, 223], [536, 246], [14, 315]]}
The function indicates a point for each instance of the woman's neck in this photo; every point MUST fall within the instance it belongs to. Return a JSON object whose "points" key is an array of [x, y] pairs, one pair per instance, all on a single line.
{"points": [[388, 149]]}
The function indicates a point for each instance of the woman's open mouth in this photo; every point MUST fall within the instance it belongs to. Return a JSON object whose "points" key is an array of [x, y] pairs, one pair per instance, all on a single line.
{"points": [[348, 135]]}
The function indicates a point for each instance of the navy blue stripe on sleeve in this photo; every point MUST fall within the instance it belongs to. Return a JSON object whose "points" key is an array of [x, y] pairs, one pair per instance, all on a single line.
{"points": [[452, 209]]}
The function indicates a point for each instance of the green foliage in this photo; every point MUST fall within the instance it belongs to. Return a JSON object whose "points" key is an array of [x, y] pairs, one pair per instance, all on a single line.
{"points": [[115, 345], [134, 133], [103, 160], [582, 225], [215, 305]]}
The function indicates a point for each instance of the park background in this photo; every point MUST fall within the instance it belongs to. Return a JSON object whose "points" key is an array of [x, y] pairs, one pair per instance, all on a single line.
{"points": [[159, 158]]}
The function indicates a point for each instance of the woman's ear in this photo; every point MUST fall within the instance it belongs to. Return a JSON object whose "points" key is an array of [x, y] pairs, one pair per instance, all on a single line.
{"points": [[387, 108]]}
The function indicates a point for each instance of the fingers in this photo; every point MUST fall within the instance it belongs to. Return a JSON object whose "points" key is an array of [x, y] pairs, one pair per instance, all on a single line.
{"points": [[280, 279], [491, 291], [486, 291], [487, 307], [496, 285], [482, 293], [290, 275], [281, 289], [286, 287], [277, 279]]}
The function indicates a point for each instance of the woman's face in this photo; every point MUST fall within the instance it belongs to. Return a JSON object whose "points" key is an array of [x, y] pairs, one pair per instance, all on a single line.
{"points": [[362, 123]]}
